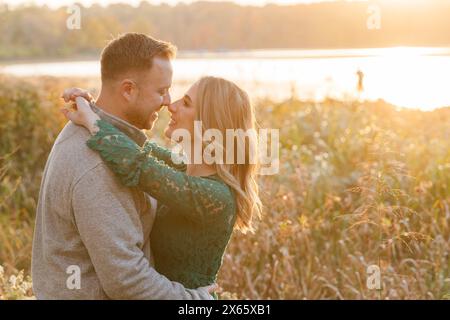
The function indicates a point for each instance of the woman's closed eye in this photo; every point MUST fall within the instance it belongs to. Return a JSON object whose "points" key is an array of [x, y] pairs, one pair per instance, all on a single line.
{"points": [[187, 101]]}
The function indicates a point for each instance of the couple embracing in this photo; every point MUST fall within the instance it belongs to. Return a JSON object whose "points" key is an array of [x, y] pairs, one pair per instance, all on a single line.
{"points": [[117, 217]]}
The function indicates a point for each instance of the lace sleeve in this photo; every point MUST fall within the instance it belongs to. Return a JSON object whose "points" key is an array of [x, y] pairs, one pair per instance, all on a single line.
{"points": [[198, 198], [165, 155]]}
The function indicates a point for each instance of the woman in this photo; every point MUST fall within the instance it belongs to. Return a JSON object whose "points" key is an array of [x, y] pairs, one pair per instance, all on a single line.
{"points": [[199, 204]]}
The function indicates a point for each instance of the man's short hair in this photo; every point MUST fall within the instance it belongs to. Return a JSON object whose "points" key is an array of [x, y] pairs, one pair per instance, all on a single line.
{"points": [[132, 52]]}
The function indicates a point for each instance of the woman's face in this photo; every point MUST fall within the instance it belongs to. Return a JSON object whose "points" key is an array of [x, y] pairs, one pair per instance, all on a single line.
{"points": [[182, 113]]}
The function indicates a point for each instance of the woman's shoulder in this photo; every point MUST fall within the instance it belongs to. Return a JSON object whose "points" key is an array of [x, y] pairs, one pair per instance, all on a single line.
{"points": [[221, 192], [215, 181]]}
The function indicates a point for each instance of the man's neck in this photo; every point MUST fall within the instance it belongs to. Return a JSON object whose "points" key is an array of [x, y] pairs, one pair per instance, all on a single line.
{"points": [[108, 103], [107, 109]]}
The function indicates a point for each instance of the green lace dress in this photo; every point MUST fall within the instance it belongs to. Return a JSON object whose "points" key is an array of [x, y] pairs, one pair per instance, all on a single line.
{"points": [[195, 215]]}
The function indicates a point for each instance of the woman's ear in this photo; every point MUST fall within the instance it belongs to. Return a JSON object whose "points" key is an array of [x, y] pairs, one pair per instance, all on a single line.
{"points": [[129, 90]]}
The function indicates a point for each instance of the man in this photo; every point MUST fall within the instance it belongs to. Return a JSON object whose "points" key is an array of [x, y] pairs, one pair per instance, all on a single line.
{"points": [[91, 235]]}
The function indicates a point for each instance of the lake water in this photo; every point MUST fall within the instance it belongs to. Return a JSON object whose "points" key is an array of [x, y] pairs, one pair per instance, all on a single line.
{"points": [[408, 77]]}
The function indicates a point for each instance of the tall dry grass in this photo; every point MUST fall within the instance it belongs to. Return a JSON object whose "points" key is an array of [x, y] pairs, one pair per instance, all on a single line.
{"points": [[360, 184]]}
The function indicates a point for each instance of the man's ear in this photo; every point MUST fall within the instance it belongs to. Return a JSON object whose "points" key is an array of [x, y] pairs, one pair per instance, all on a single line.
{"points": [[128, 89]]}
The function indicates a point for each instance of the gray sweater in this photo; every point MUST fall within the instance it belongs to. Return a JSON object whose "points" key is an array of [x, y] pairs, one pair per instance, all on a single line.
{"points": [[91, 239]]}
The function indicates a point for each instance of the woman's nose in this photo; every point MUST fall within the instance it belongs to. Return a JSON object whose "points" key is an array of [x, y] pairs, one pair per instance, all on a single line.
{"points": [[172, 107]]}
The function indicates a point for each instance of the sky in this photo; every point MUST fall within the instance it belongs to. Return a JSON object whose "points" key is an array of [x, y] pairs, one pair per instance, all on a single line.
{"points": [[59, 3]]}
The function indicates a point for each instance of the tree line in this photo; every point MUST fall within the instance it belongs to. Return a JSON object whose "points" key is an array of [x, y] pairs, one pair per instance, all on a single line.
{"points": [[41, 32]]}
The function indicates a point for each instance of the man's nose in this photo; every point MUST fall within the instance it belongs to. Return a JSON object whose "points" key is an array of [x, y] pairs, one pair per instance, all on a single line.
{"points": [[166, 100]]}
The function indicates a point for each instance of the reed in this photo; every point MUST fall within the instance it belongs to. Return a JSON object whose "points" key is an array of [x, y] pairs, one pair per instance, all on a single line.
{"points": [[360, 184]]}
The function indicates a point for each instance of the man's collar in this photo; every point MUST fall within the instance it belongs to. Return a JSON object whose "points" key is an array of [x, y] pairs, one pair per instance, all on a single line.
{"points": [[131, 131]]}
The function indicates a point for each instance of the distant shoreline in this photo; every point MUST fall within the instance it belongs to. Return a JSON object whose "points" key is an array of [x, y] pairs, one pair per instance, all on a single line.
{"points": [[310, 74], [269, 53], [326, 100]]}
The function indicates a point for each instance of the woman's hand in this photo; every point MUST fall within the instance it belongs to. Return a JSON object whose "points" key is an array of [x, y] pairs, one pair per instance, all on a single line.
{"points": [[83, 115], [70, 94]]}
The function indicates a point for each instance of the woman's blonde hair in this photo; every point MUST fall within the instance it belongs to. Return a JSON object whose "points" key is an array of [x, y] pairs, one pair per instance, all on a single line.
{"points": [[223, 105]]}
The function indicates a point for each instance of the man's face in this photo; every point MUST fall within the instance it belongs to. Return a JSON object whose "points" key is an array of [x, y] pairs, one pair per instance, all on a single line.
{"points": [[152, 94]]}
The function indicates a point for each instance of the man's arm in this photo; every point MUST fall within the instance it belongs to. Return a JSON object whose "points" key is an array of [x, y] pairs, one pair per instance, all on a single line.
{"points": [[111, 230]]}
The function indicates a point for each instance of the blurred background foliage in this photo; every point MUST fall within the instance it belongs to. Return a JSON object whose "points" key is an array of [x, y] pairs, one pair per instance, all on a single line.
{"points": [[360, 183], [40, 32]]}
